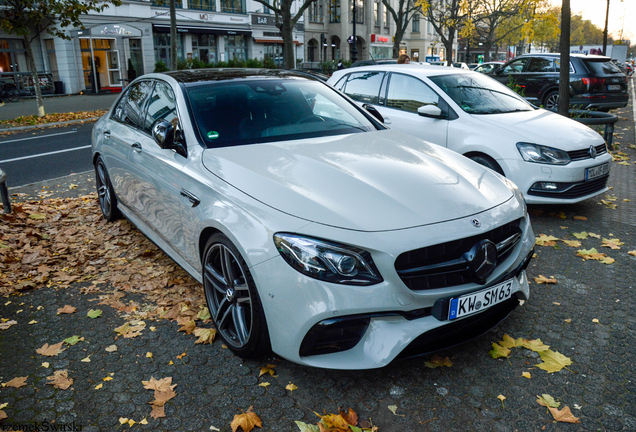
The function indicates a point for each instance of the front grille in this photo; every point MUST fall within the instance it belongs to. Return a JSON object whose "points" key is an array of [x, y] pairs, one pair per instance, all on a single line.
{"points": [[443, 265], [573, 190], [585, 153]]}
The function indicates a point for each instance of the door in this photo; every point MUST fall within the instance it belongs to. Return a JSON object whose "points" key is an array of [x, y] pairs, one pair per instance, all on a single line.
{"points": [[114, 74], [540, 74], [405, 94], [512, 72]]}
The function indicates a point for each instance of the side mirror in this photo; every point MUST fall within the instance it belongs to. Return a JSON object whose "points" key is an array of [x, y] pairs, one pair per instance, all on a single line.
{"points": [[431, 111], [374, 112], [164, 135]]}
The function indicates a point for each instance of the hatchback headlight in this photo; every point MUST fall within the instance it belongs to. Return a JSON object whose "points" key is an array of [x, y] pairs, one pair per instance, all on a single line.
{"points": [[328, 261], [543, 154]]}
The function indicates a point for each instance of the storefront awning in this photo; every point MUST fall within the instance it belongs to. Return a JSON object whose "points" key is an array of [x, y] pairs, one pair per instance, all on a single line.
{"points": [[278, 41], [160, 28]]}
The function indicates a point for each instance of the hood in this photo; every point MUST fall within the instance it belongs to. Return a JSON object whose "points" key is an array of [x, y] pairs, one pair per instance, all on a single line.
{"points": [[373, 181], [545, 128]]}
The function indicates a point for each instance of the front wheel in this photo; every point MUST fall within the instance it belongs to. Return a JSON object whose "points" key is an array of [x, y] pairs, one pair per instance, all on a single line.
{"points": [[233, 299], [551, 101], [488, 162], [105, 193]]}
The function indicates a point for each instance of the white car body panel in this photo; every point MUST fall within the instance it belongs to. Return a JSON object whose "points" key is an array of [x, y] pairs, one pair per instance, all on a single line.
{"points": [[496, 135]]}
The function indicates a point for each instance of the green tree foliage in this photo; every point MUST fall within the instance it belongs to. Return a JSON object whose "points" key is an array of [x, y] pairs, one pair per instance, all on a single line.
{"points": [[583, 32], [29, 18], [447, 17]]}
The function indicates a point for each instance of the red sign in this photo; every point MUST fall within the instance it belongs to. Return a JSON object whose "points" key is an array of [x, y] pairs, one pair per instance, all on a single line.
{"points": [[378, 38]]}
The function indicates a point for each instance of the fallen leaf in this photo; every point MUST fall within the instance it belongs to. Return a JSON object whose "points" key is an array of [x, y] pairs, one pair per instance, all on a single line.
{"points": [[94, 313], [564, 415], [568, 320], [581, 236], [304, 427], [86, 359], [123, 420], [73, 340], [501, 398], [98, 386], [50, 350], [608, 260], [595, 320], [547, 401], [108, 378], [437, 361], [264, 384], [246, 421], [267, 369], [148, 354], [111, 348], [37, 216], [131, 422], [291, 387], [203, 314], [205, 335], [60, 379], [553, 361], [16, 382], [32, 322], [578, 407], [499, 351], [6, 325], [612, 243], [526, 375], [596, 236], [583, 218], [67, 309], [572, 243], [535, 345], [161, 385], [509, 342], [131, 329], [633, 253], [187, 325], [544, 240], [144, 421], [544, 280], [591, 254], [46, 365], [556, 303], [180, 356], [393, 409]]}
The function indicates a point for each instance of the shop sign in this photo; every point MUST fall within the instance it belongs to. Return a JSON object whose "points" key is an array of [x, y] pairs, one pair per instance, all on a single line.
{"points": [[208, 17], [115, 30], [267, 20], [378, 38]]}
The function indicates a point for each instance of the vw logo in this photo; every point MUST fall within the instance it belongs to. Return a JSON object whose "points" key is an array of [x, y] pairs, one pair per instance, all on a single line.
{"points": [[482, 259], [476, 223], [592, 152]]}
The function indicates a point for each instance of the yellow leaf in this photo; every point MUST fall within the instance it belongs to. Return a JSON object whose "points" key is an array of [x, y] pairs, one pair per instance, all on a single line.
{"points": [[205, 335], [608, 260], [291, 387], [123, 420], [535, 345], [509, 342], [591, 254], [131, 422], [46, 365], [553, 361], [393, 409], [612, 243], [437, 361], [568, 320], [544, 240], [144, 421], [182, 356], [544, 280], [111, 348], [583, 218], [499, 351], [264, 384], [148, 354], [596, 236], [37, 216], [547, 401], [108, 378], [572, 243], [33, 322], [98, 386], [246, 421], [595, 320], [268, 369], [581, 236], [526, 375], [633, 253], [170, 362], [86, 359]]}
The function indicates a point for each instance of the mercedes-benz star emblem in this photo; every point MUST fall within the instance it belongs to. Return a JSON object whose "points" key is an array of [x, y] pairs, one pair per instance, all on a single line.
{"points": [[593, 152], [482, 259], [476, 223]]}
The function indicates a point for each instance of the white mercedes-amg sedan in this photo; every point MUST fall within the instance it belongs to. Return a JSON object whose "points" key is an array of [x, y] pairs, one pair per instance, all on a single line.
{"points": [[316, 232]]}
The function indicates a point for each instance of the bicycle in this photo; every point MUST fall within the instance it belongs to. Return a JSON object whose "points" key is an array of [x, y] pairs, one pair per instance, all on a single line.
{"points": [[9, 92]]}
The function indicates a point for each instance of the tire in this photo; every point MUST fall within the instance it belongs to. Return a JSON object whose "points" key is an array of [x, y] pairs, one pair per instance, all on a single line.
{"points": [[233, 299], [105, 192], [488, 162], [551, 101], [12, 95]]}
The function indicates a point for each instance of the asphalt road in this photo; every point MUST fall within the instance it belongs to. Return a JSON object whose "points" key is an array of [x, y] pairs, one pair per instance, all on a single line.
{"points": [[43, 154]]}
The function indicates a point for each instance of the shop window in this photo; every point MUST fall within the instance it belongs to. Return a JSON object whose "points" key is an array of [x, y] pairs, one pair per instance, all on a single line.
{"points": [[315, 12], [359, 11], [204, 47], [162, 47], [233, 6], [50, 50], [274, 52], [334, 11], [208, 5], [235, 48], [12, 56]]}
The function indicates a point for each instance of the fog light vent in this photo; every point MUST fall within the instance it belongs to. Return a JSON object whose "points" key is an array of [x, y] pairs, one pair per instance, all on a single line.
{"points": [[334, 335]]}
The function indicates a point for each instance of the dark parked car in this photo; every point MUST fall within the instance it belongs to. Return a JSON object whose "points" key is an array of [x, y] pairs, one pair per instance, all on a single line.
{"points": [[370, 62], [595, 82]]}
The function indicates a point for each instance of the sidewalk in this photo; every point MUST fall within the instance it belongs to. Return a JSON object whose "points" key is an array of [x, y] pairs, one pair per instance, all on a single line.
{"points": [[57, 104]]}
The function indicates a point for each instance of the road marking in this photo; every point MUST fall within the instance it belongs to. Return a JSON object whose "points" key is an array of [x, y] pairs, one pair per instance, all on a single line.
{"points": [[36, 137], [44, 154]]}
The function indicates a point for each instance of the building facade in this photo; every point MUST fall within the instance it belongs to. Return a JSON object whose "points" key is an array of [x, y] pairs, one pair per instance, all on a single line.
{"points": [[124, 42]]}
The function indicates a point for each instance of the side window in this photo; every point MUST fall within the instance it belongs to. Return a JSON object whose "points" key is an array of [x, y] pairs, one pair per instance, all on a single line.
{"points": [[557, 62], [341, 82], [408, 94], [364, 86], [540, 64], [515, 66], [133, 104], [162, 106]]}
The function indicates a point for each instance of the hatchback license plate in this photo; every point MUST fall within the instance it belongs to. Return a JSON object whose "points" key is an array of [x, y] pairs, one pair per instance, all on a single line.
{"points": [[613, 87], [480, 301], [597, 171]]}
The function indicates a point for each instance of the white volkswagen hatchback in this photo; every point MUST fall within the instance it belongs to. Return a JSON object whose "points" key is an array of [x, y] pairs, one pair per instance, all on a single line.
{"points": [[551, 158], [315, 231]]}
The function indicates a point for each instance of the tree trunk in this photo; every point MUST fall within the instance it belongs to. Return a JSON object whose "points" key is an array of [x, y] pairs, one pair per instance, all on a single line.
{"points": [[487, 51], [287, 32], [448, 45], [36, 78], [564, 75]]}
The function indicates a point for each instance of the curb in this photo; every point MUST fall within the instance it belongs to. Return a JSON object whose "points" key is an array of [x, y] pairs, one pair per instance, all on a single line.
{"points": [[45, 125]]}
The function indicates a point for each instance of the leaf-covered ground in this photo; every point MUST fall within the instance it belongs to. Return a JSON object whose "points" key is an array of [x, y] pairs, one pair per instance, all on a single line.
{"points": [[51, 118]]}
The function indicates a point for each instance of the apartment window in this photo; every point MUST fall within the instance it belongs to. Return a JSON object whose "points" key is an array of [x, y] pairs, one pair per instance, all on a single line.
{"points": [[267, 10], [334, 11], [416, 24], [50, 49], [208, 5], [166, 3], [233, 6], [359, 11], [376, 13], [315, 12], [386, 17]]}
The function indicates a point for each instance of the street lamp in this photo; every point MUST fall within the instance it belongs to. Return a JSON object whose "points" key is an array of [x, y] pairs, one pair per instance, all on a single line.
{"points": [[354, 48]]}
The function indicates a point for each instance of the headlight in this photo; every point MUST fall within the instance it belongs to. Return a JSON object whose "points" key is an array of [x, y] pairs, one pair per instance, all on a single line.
{"points": [[515, 190], [327, 261], [542, 154]]}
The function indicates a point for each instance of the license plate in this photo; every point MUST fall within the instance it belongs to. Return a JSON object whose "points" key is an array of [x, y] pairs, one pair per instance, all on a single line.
{"points": [[613, 87], [597, 171], [480, 301]]}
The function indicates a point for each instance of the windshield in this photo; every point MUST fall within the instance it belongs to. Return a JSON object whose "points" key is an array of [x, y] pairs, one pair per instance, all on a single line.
{"points": [[478, 94], [266, 110]]}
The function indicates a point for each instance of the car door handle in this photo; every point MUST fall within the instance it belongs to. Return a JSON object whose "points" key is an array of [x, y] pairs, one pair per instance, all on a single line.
{"points": [[136, 147], [192, 198], [106, 134], [387, 120]]}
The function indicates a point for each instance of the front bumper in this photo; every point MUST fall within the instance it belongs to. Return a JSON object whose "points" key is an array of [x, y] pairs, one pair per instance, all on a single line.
{"points": [[572, 186], [382, 321]]}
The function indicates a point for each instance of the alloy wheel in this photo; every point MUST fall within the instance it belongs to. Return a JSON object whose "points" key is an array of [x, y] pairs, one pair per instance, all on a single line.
{"points": [[228, 295], [103, 190], [552, 101]]}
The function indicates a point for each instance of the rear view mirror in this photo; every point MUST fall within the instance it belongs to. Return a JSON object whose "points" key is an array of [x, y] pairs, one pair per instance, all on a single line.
{"points": [[164, 134], [374, 112], [432, 111]]}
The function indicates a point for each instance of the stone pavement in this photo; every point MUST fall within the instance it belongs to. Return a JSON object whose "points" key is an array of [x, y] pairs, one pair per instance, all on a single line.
{"points": [[589, 315]]}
